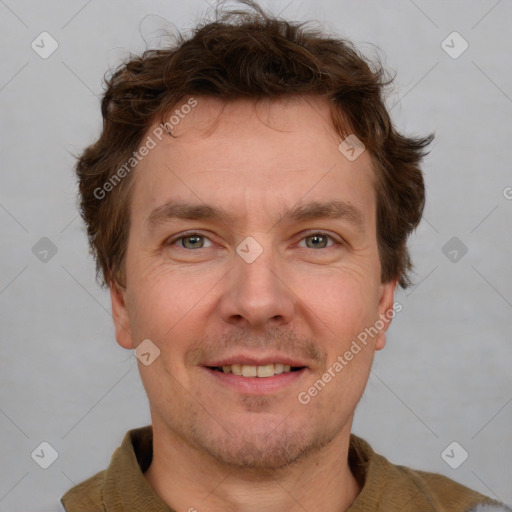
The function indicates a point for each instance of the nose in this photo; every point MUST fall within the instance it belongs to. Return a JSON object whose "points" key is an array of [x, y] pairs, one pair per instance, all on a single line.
{"points": [[257, 294]]}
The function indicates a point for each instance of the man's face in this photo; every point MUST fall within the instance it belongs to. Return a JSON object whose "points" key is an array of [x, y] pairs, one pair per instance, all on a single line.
{"points": [[205, 296]]}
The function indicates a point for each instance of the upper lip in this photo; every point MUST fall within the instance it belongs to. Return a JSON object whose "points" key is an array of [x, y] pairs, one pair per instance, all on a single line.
{"points": [[256, 360]]}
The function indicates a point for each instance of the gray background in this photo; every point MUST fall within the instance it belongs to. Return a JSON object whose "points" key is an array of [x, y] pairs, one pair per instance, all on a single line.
{"points": [[445, 373]]}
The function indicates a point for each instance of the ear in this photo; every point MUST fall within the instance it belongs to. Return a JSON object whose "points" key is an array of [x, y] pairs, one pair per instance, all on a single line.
{"points": [[121, 316], [386, 311]]}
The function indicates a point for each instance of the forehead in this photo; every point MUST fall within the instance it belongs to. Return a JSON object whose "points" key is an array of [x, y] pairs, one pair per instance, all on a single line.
{"points": [[244, 152]]}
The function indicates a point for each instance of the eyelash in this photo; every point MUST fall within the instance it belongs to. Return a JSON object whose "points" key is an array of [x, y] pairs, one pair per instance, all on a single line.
{"points": [[173, 241]]}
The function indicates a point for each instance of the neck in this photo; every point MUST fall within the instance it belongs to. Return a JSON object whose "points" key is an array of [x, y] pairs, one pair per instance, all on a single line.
{"points": [[188, 479]]}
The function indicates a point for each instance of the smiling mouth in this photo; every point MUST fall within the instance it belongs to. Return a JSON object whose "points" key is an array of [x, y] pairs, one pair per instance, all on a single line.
{"points": [[264, 371]]}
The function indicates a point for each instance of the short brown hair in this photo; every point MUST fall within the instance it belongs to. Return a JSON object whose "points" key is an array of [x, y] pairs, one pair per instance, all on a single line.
{"points": [[250, 54]]}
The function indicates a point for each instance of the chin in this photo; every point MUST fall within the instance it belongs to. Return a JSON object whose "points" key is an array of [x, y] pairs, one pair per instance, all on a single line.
{"points": [[262, 444]]}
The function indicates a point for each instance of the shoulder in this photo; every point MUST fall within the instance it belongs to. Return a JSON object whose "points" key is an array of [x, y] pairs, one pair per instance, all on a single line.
{"points": [[122, 482], [396, 487], [448, 495], [86, 496]]}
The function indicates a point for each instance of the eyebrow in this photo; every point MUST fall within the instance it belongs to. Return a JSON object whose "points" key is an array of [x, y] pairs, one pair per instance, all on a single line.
{"points": [[172, 210]]}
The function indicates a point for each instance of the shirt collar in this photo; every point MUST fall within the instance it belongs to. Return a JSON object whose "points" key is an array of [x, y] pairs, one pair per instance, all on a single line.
{"points": [[127, 490]]}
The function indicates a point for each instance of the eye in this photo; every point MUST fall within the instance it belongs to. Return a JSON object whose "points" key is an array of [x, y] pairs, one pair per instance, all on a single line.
{"points": [[318, 241], [190, 241]]}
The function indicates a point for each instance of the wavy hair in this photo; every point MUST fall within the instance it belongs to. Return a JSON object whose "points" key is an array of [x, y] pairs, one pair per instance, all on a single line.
{"points": [[249, 53]]}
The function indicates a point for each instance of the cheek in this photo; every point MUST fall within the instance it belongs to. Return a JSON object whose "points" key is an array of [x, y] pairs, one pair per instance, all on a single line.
{"points": [[343, 306], [344, 301], [166, 304]]}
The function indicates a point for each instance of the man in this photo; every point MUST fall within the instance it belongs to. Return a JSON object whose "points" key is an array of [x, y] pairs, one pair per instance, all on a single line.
{"points": [[249, 203]]}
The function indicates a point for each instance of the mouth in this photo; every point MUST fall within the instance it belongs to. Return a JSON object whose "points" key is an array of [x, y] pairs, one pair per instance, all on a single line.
{"points": [[259, 371], [249, 376]]}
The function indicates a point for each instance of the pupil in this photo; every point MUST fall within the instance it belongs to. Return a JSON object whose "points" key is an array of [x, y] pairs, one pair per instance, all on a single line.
{"points": [[317, 237], [196, 238]]}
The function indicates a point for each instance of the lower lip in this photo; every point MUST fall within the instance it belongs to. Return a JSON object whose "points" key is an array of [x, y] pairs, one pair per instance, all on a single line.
{"points": [[257, 385]]}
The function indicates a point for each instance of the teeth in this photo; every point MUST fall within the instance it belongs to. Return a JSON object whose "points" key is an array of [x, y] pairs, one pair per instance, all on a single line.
{"points": [[278, 368], [265, 371], [247, 370]]}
